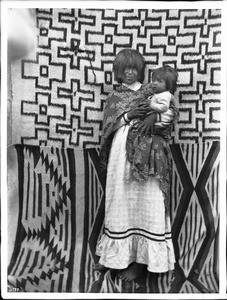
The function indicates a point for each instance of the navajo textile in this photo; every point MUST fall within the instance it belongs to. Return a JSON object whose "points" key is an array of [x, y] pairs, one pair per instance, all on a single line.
{"points": [[59, 93], [60, 194], [61, 213], [66, 80]]}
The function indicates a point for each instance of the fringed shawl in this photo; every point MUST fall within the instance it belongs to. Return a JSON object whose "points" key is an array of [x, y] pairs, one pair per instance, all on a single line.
{"points": [[117, 103], [148, 155]]}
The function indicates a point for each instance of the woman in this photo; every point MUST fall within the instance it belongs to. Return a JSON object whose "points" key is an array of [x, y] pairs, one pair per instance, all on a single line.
{"points": [[137, 233]]}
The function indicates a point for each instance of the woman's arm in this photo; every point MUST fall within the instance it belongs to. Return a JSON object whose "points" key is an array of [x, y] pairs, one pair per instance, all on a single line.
{"points": [[147, 125], [123, 120], [155, 119], [138, 111]]}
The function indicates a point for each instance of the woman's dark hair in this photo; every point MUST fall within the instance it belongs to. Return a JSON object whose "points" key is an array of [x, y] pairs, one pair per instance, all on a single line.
{"points": [[128, 58], [168, 74]]}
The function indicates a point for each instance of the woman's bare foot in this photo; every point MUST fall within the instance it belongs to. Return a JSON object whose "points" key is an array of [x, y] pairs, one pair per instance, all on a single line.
{"points": [[133, 271], [99, 267]]}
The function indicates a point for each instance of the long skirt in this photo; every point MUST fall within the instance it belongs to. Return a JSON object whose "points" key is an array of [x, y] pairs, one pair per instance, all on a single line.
{"points": [[137, 226]]}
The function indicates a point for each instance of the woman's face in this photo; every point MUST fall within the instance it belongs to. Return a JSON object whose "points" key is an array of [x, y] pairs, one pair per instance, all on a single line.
{"points": [[130, 75]]}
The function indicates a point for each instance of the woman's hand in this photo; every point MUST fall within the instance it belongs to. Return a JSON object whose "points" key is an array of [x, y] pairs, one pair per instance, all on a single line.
{"points": [[138, 111], [147, 125]]}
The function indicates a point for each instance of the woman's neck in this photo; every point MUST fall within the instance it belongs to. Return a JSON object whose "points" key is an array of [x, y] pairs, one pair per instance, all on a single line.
{"points": [[135, 86]]}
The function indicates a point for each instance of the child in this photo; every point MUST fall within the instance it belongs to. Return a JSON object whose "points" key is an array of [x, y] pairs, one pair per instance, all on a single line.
{"points": [[164, 82]]}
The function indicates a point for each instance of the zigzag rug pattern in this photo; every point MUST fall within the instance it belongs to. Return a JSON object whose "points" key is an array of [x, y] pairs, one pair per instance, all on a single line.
{"points": [[50, 235], [61, 213], [66, 80]]}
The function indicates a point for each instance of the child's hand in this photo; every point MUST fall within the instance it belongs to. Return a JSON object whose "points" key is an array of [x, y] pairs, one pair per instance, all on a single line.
{"points": [[147, 125], [138, 111]]}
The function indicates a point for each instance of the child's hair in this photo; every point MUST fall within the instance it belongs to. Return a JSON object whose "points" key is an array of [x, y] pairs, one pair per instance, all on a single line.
{"points": [[168, 74], [128, 58]]}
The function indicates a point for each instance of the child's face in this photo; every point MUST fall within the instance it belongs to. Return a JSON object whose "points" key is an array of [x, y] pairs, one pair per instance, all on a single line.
{"points": [[158, 85], [130, 75]]}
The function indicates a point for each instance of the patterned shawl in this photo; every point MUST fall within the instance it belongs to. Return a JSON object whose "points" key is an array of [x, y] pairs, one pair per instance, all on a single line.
{"points": [[148, 155], [117, 103]]}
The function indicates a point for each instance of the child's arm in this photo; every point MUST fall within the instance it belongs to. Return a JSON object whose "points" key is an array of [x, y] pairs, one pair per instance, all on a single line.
{"points": [[166, 118], [160, 102]]}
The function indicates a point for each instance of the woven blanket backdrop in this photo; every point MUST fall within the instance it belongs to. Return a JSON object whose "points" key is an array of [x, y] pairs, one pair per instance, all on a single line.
{"points": [[58, 96]]}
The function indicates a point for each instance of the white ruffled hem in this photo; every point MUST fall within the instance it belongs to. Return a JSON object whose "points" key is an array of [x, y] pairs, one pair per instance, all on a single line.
{"points": [[120, 253]]}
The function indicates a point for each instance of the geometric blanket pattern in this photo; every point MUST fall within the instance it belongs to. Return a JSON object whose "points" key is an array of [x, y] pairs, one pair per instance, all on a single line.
{"points": [[61, 213], [59, 94], [51, 242], [66, 80]]}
